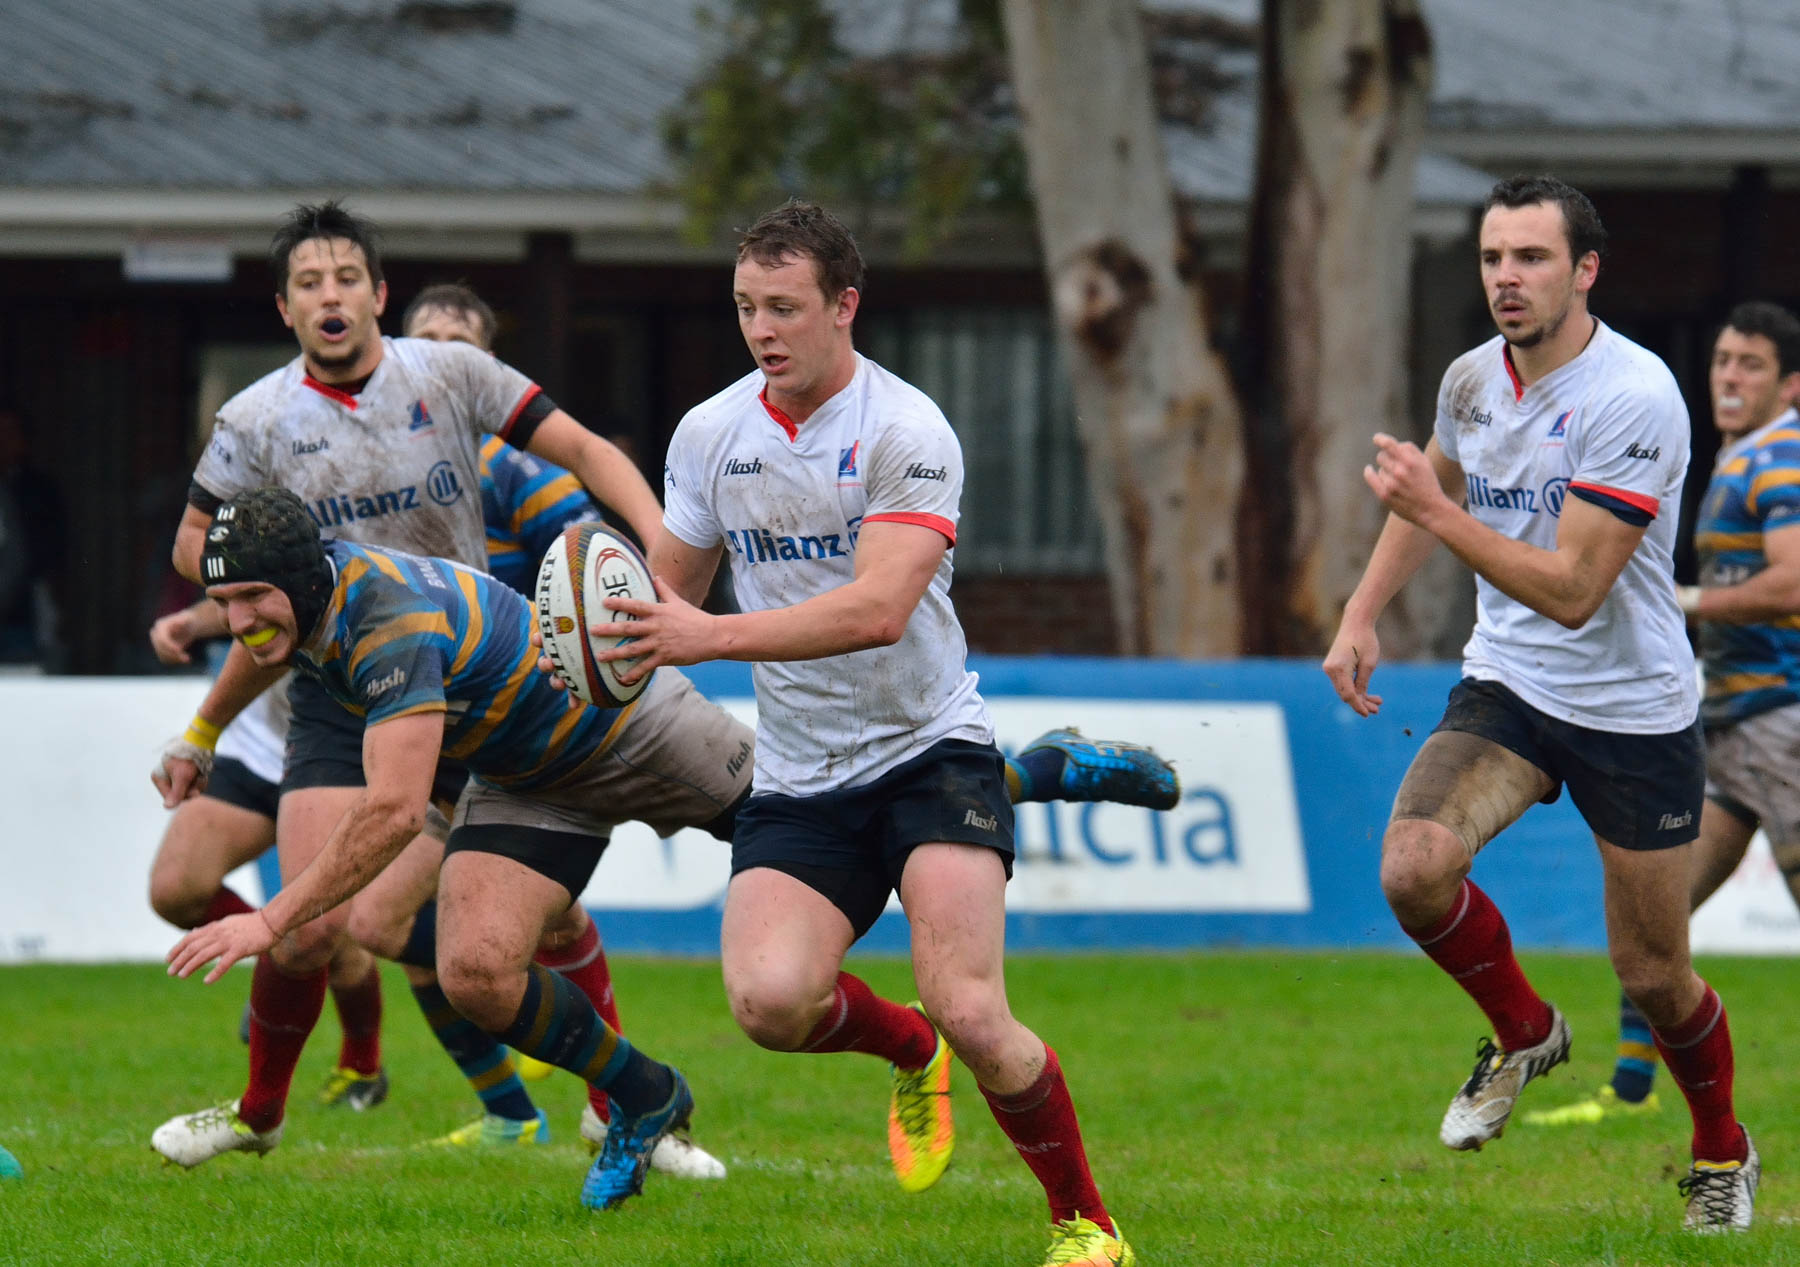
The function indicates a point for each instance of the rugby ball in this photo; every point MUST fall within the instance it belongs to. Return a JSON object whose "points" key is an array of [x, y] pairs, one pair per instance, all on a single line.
{"points": [[586, 565]]}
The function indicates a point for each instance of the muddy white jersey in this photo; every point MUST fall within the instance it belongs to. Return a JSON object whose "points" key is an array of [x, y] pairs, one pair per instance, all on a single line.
{"points": [[397, 464], [1609, 428], [788, 504], [258, 735]]}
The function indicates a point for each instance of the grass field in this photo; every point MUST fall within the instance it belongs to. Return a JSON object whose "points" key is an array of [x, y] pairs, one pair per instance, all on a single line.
{"points": [[1239, 1108]]}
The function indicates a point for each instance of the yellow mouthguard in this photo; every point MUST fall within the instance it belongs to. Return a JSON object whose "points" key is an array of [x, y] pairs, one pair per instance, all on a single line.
{"points": [[258, 638]]}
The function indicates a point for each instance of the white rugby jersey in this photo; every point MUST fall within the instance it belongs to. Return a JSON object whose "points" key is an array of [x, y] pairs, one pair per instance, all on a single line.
{"points": [[397, 464], [258, 735], [1610, 427], [788, 503]]}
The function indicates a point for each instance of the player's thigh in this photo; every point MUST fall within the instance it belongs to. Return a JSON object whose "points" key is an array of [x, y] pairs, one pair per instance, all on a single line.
{"points": [[1473, 776], [205, 841], [1647, 909], [1754, 766], [781, 942], [305, 821], [955, 900], [382, 914], [1726, 827], [532, 874]]}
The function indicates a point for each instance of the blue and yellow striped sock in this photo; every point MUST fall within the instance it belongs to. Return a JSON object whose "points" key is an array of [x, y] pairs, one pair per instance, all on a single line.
{"points": [[558, 1024], [483, 1061], [1635, 1072]]}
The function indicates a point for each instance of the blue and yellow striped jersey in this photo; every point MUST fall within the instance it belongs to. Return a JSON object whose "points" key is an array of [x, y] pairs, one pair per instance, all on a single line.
{"points": [[404, 634], [526, 502], [1755, 487]]}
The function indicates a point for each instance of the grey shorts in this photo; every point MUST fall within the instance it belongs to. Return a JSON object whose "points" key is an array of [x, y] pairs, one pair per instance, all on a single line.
{"points": [[1753, 770], [681, 761]]}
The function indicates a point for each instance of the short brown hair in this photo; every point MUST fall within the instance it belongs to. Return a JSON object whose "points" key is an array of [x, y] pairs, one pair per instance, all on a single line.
{"points": [[459, 298], [324, 221], [807, 230]]}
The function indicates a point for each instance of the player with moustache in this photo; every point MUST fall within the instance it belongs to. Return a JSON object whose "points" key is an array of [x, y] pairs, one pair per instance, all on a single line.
{"points": [[380, 439], [434, 657], [1747, 606], [833, 487], [1554, 471]]}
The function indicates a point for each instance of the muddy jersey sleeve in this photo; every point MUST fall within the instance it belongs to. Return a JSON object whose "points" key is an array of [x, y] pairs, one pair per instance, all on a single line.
{"points": [[500, 399], [916, 474], [231, 465]]}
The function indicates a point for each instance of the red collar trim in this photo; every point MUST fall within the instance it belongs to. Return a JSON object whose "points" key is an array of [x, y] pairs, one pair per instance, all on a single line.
{"points": [[787, 423], [1518, 387], [329, 392]]}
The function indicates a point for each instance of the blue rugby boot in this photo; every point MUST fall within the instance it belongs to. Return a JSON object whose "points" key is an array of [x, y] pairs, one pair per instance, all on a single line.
{"points": [[618, 1172], [1097, 770]]}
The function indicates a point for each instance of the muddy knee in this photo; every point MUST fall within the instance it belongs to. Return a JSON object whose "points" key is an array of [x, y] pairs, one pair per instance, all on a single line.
{"points": [[1422, 867]]}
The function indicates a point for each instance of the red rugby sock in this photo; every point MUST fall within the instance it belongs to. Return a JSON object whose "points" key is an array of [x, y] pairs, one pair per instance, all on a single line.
{"points": [[583, 962], [225, 902], [1040, 1122], [359, 1011], [283, 1011], [1473, 945], [861, 1020], [1698, 1055]]}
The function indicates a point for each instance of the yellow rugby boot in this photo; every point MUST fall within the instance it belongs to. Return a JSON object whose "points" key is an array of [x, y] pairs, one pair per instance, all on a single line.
{"points": [[1080, 1242], [1604, 1103], [346, 1088], [921, 1132], [494, 1131]]}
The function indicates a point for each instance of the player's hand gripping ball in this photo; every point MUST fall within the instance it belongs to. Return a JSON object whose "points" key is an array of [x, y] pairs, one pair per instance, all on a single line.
{"points": [[585, 566]]}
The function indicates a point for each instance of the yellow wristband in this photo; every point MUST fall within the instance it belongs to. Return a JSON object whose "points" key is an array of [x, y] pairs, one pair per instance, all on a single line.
{"points": [[202, 733]]}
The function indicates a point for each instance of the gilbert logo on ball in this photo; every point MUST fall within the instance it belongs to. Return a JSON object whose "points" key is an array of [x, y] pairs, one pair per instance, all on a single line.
{"points": [[586, 565]]}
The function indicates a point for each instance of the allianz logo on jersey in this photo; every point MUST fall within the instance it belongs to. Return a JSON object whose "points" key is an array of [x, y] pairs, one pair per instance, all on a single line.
{"points": [[441, 486], [759, 545], [1484, 492]]}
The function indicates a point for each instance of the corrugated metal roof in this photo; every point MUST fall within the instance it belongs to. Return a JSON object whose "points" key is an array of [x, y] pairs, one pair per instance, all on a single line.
{"points": [[249, 94], [567, 95]]}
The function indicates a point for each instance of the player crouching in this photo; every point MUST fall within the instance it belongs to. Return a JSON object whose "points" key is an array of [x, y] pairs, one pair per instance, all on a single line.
{"points": [[437, 658]]}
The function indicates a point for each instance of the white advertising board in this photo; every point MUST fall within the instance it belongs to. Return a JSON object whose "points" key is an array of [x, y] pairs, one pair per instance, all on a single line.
{"points": [[1233, 844]]}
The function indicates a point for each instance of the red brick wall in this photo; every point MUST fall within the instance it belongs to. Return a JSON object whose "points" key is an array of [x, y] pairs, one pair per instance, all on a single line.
{"points": [[1068, 615]]}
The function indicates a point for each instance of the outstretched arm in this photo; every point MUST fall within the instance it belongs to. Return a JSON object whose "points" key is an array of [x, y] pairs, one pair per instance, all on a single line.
{"points": [[399, 757], [599, 464]]}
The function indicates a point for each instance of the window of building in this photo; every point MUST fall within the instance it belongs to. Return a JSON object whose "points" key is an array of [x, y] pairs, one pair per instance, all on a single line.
{"points": [[995, 372]]}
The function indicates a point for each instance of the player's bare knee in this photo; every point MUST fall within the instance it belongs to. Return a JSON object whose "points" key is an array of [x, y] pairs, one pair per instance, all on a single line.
{"points": [[1658, 983], [177, 900], [376, 931], [311, 947], [777, 1010], [476, 986], [1422, 865]]}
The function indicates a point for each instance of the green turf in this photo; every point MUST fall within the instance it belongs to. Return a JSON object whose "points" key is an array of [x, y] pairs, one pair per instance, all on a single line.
{"points": [[1239, 1108]]}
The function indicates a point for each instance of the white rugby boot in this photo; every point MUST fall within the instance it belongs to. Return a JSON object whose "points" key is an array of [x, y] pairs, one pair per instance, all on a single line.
{"points": [[1721, 1195], [1480, 1110], [193, 1138], [675, 1154]]}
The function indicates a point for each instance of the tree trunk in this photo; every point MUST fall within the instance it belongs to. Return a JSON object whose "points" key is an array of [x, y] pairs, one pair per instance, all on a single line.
{"points": [[1344, 87], [1159, 418]]}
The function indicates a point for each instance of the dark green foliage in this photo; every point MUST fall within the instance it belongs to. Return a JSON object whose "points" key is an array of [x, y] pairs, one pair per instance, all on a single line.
{"points": [[788, 110]]}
